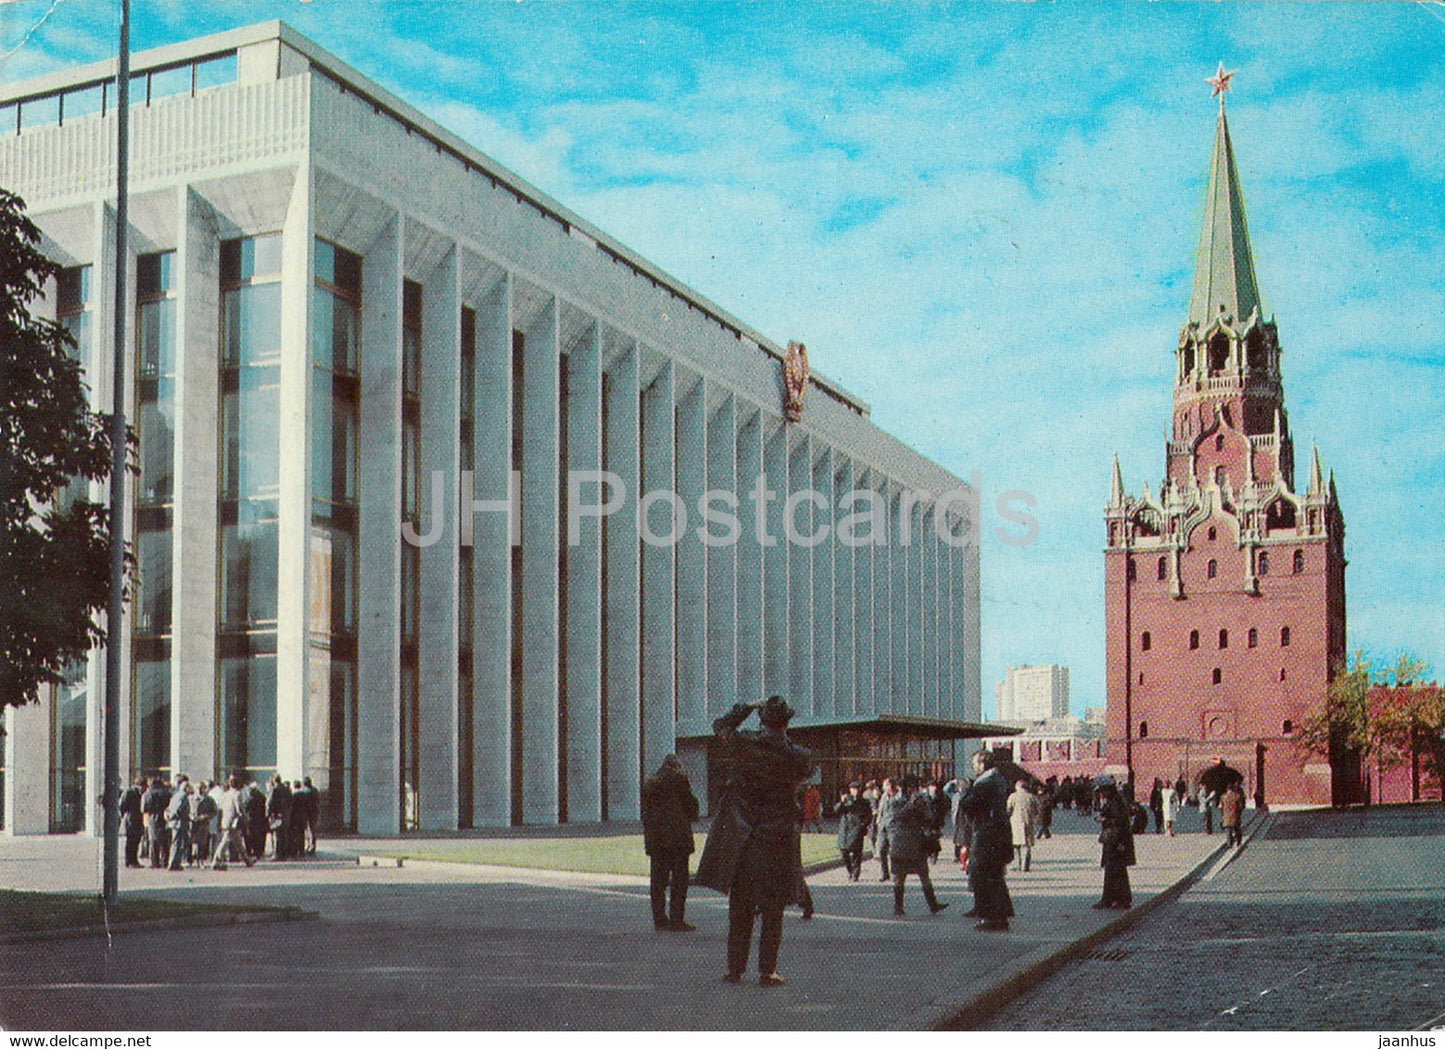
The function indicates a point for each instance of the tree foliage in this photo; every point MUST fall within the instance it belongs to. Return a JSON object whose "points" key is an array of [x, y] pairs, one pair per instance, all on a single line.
{"points": [[1385, 716], [54, 551]]}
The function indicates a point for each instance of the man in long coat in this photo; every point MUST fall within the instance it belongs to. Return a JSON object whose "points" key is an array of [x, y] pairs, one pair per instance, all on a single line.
{"points": [[133, 820], [985, 804], [854, 816], [669, 809], [911, 835], [752, 850]]}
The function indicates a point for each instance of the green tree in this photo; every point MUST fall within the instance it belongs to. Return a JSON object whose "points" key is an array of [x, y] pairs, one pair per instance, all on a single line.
{"points": [[54, 553]]}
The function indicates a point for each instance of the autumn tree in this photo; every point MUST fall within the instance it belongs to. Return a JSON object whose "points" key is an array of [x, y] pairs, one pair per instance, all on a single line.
{"points": [[54, 550]]}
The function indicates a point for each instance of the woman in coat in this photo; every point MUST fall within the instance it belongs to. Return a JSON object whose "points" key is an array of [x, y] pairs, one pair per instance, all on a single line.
{"points": [[854, 816], [1116, 837], [1169, 807], [1231, 811], [1023, 814]]}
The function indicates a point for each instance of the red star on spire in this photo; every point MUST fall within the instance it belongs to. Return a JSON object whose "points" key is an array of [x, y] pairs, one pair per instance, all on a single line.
{"points": [[1220, 82]]}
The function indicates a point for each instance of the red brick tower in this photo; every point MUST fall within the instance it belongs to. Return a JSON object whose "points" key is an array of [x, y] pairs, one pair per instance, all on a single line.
{"points": [[1225, 594]]}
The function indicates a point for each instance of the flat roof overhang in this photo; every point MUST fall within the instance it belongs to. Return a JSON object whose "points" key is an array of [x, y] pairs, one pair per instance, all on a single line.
{"points": [[902, 725]]}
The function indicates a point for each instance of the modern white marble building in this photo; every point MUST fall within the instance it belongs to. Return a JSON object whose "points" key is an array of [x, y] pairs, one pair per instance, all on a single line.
{"points": [[349, 323]]}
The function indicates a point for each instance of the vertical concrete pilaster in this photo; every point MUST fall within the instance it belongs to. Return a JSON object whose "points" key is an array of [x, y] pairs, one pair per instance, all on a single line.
{"points": [[659, 650], [623, 598], [724, 654], [776, 634], [438, 587], [193, 522], [492, 539], [541, 414], [583, 628], [692, 559], [378, 643], [800, 578], [749, 602]]}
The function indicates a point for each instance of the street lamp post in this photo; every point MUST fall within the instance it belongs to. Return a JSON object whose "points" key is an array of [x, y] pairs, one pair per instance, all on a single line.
{"points": [[110, 876]]}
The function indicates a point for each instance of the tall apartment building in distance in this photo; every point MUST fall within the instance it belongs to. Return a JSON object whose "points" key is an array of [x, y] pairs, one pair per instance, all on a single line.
{"points": [[1225, 593], [348, 322], [1032, 693]]}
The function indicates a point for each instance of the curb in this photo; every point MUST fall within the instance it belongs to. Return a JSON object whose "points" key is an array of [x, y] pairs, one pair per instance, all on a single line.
{"points": [[987, 995], [196, 921]]}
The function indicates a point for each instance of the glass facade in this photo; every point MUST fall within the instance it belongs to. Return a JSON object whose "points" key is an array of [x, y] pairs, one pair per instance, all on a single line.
{"points": [[155, 425], [335, 396], [74, 310], [249, 508]]}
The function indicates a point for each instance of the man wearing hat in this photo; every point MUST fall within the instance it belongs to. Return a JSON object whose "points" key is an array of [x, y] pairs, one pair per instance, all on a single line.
{"points": [[854, 815], [752, 850]]}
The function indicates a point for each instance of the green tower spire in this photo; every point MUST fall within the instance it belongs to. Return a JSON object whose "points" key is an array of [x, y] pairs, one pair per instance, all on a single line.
{"points": [[1224, 271]]}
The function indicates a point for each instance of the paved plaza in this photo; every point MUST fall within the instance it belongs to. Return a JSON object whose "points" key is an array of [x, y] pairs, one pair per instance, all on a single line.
{"points": [[1327, 921], [443, 946]]}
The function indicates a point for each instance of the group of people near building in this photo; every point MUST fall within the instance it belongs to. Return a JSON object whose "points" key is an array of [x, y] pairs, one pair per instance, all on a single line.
{"points": [[176, 824], [754, 850]]}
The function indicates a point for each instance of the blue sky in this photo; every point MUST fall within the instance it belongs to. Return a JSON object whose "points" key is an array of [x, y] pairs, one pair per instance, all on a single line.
{"points": [[982, 219]]}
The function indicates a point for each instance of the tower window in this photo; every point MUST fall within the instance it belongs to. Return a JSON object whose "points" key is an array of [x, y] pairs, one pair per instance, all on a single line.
{"points": [[1218, 353], [1212, 569], [1287, 727], [1224, 639], [1281, 673], [1219, 442], [1299, 561], [1213, 532], [1141, 677], [1219, 476], [1163, 568], [1284, 637], [1193, 639], [1253, 638], [1263, 563], [1145, 641], [1143, 730], [1218, 676]]}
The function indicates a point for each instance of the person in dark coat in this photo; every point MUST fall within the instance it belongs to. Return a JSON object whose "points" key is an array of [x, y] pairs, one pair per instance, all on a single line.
{"points": [[1116, 836], [133, 819], [962, 826], [253, 804], [986, 804], [311, 812], [153, 804], [1156, 804], [854, 816], [911, 835], [752, 851], [278, 818], [669, 809]]}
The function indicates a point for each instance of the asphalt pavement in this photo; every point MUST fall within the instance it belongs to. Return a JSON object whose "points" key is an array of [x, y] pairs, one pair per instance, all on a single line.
{"points": [[446, 946]]}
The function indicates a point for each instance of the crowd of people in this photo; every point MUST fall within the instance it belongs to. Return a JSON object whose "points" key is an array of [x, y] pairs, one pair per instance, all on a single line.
{"points": [[176, 824]]}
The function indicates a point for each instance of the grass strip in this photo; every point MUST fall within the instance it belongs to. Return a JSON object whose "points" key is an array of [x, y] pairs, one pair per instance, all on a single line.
{"points": [[604, 855], [26, 912]]}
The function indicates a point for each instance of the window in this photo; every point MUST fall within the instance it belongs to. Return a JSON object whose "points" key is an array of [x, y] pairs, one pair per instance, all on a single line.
{"points": [[1219, 443], [1218, 676], [1281, 673], [1163, 568], [1224, 639], [1145, 641], [1213, 532], [1193, 639], [1262, 563], [1141, 677], [1287, 727], [1253, 638], [1284, 637], [1212, 569], [1143, 730], [1299, 561]]}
